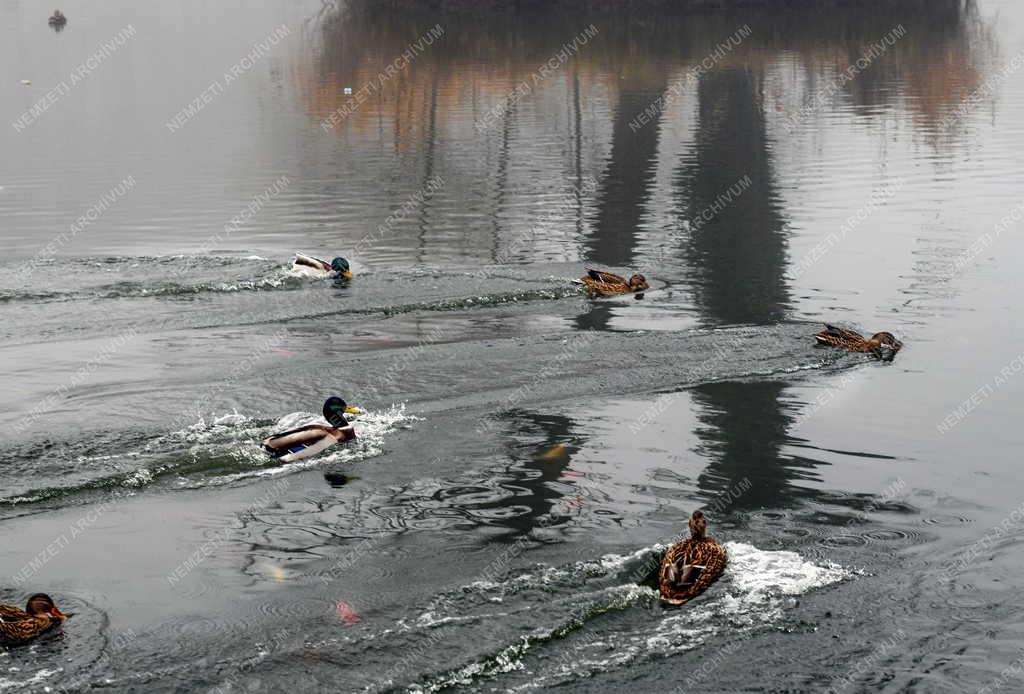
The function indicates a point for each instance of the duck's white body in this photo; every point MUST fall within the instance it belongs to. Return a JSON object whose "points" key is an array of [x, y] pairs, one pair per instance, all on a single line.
{"points": [[306, 441], [308, 266]]}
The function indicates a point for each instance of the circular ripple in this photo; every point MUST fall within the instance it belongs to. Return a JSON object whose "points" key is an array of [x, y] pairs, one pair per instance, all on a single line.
{"points": [[284, 611], [947, 520], [193, 634], [890, 535], [364, 563], [196, 587], [844, 540], [796, 532], [770, 515]]}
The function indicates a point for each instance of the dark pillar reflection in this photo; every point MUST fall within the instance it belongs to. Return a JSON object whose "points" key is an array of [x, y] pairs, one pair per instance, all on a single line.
{"points": [[508, 118], [624, 187], [727, 188], [430, 154], [744, 429], [736, 249], [535, 502], [577, 160], [628, 176]]}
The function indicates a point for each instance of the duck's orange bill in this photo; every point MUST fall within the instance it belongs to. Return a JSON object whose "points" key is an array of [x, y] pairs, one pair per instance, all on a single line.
{"points": [[57, 613]]}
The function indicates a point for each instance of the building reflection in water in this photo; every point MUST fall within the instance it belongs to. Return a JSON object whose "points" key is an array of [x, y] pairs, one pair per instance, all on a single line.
{"points": [[516, 168]]}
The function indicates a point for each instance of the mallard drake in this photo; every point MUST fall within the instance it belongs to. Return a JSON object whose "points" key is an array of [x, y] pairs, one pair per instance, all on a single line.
{"points": [[691, 566], [308, 440], [606, 283], [882, 344], [315, 267], [58, 19], [19, 626]]}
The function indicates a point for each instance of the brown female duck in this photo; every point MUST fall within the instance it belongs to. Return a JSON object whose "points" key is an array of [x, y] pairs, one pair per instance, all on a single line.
{"points": [[880, 344], [691, 566], [19, 626], [606, 283]]}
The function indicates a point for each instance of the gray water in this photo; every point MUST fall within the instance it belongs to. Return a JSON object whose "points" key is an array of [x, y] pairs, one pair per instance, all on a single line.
{"points": [[526, 452]]}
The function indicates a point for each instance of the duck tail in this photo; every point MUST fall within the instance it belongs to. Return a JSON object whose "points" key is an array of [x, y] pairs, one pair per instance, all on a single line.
{"points": [[826, 336]]}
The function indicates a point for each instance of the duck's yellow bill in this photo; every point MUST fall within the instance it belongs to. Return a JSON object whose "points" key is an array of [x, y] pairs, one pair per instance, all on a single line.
{"points": [[352, 410], [347, 274]]}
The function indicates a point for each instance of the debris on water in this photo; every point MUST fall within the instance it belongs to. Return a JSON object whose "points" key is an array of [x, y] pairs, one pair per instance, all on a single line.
{"points": [[346, 613], [553, 453], [26, 82]]}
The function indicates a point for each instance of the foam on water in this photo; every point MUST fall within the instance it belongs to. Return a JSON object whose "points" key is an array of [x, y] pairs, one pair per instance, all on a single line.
{"points": [[238, 437], [232, 425], [21, 685], [371, 430], [753, 594], [220, 450]]}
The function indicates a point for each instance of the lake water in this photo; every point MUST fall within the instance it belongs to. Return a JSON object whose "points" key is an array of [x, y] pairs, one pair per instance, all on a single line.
{"points": [[525, 452]]}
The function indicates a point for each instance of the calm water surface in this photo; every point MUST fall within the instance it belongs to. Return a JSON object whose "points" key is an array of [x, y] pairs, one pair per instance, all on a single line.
{"points": [[525, 452]]}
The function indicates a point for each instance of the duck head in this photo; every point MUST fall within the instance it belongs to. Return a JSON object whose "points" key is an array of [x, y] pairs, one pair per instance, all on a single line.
{"points": [[698, 525], [638, 283], [885, 344], [335, 410], [340, 265], [42, 604]]}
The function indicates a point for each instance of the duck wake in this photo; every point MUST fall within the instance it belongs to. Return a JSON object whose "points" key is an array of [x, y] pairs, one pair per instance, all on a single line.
{"points": [[218, 451], [608, 624]]}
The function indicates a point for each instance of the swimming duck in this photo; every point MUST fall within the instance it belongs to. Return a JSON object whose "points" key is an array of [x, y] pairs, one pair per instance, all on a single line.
{"points": [[308, 440], [315, 267], [58, 19], [691, 566], [19, 626], [606, 283], [883, 344]]}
